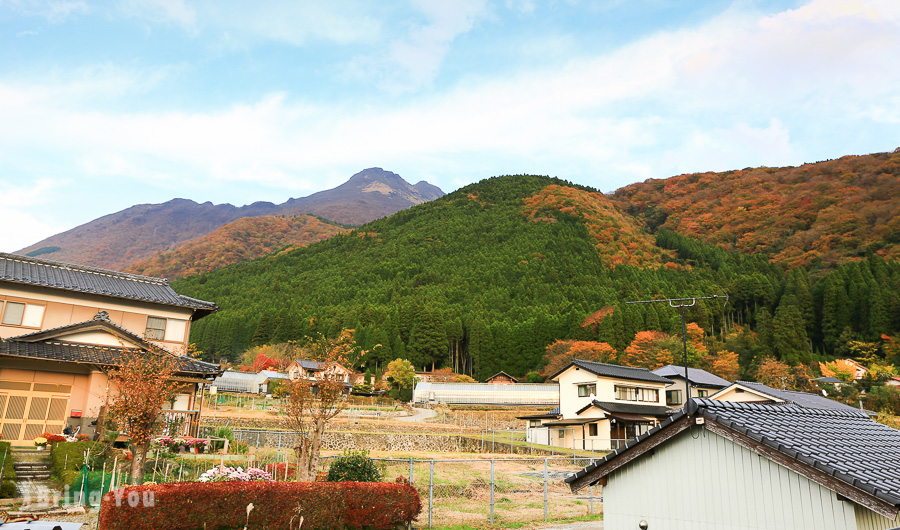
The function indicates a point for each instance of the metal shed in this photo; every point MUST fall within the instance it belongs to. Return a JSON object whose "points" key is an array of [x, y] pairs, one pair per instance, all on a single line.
{"points": [[487, 393]]}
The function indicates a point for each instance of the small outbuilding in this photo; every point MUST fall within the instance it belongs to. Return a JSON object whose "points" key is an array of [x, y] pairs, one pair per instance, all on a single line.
{"points": [[752, 466], [501, 378]]}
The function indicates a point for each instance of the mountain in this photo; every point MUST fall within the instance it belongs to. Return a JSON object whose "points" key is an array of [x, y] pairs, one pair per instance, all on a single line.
{"points": [[120, 239], [368, 195], [241, 240], [483, 279], [815, 216]]}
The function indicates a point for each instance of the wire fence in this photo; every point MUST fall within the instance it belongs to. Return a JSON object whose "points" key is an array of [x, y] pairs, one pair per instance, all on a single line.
{"points": [[493, 491]]}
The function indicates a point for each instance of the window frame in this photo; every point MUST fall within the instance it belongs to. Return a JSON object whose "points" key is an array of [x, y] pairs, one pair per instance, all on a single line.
{"points": [[588, 388], [147, 330], [670, 402], [638, 394], [702, 393], [592, 429], [4, 306]]}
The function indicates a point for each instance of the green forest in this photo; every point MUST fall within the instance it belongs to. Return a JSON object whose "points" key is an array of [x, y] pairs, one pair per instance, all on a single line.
{"points": [[485, 278]]}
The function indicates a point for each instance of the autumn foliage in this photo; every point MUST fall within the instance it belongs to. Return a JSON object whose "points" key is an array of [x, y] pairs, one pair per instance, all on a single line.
{"points": [[192, 505], [618, 238], [823, 212], [560, 354], [141, 387], [241, 240]]}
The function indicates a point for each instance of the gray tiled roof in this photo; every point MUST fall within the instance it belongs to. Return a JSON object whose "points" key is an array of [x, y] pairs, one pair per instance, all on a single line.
{"points": [[93, 280], [632, 408], [91, 354], [698, 376], [843, 443], [615, 371], [804, 399], [310, 365]]}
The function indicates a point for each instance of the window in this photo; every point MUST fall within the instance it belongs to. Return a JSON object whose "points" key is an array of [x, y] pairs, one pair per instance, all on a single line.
{"points": [[633, 393], [587, 389], [702, 393], [673, 397], [562, 433], [21, 314], [592, 429], [534, 424], [156, 328], [168, 329]]}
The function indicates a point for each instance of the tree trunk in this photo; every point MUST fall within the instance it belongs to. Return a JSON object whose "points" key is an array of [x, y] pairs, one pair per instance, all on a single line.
{"points": [[138, 457]]}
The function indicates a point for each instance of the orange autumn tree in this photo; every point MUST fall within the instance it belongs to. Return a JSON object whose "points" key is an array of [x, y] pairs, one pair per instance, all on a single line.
{"points": [[141, 386], [559, 354], [842, 369], [725, 365], [776, 374], [311, 405], [651, 350]]}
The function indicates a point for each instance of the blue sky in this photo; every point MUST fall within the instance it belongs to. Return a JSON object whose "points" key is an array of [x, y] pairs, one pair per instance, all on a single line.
{"points": [[104, 105]]}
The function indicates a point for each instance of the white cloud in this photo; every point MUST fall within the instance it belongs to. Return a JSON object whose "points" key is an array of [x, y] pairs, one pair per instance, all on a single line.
{"points": [[409, 63], [20, 207], [738, 90], [176, 11], [54, 11]]}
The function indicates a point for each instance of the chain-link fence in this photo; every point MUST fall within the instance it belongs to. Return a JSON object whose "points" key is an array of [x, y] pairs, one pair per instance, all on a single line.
{"points": [[493, 491]]}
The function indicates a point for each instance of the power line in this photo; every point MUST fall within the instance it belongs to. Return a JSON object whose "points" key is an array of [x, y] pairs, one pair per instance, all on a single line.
{"points": [[681, 303]]}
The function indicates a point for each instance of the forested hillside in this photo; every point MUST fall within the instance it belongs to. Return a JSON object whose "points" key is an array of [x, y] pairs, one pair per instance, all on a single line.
{"points": [[815, 216], [485, 278], [241, 240]]}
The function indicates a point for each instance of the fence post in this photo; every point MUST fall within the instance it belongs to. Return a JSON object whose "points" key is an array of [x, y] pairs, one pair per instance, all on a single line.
{"points": [[431, 492], [492, 442], [279, 446], [545, 489], [492, 491], [411, 470], [592, 499]]}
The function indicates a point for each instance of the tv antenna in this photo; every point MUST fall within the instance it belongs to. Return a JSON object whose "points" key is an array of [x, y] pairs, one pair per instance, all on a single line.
{"points": [[681, 304]]}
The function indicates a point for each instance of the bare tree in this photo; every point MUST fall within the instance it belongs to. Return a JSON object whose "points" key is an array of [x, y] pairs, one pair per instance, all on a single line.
{"points": [[141, 386], [311, 404]]}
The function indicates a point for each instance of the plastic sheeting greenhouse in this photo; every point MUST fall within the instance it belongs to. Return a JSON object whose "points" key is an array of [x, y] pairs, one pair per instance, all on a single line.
{"points": [[487, 393]]}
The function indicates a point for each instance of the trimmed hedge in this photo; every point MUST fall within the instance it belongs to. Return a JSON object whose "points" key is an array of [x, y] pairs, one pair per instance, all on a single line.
{"points": [[276, 505], [8, 482]]}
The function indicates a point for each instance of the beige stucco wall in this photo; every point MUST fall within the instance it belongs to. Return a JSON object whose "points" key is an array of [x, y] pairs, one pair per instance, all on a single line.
{"points": [[679, 385], [570, 403], [65, 308], [733, 394]]}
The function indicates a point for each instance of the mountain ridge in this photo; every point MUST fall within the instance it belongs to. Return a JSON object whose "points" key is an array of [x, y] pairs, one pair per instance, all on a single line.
{"points": [[120, 239]]}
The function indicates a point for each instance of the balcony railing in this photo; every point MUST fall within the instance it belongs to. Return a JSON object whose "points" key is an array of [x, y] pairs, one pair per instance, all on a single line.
{"points": [[180, 422]]}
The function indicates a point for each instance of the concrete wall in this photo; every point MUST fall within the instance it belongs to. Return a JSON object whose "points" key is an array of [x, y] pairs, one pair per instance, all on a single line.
{"points": [[709, 482]]}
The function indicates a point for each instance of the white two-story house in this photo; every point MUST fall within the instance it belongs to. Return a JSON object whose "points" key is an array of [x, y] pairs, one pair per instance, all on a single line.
{"points": [[603, 405]]}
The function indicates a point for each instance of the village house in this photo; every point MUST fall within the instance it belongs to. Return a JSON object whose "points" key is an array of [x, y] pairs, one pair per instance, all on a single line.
{"points": [[501, 378], [62, 326], [744, 391], [753, 466], [603, 405], [703, 383], [316, 370]]}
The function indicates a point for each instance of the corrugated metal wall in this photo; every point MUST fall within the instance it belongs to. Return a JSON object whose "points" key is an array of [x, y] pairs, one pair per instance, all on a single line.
{"points": [[702, 481], [869, 520]]}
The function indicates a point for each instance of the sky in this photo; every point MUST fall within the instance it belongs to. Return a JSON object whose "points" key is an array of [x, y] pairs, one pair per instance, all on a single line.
{"points": [[104, 105]]}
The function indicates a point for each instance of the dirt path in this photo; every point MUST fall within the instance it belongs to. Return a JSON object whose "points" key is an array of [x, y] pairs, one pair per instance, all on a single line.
{"points": [[419, 416]]}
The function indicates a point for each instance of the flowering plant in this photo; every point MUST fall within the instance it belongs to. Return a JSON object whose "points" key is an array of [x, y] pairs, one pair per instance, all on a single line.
{"points": [[198, 443], [40, 441], [82, 437], [53, 438], [221, 473]]}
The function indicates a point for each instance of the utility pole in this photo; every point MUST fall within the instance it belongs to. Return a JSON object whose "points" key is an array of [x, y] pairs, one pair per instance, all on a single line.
{"points": [[681, 304]]}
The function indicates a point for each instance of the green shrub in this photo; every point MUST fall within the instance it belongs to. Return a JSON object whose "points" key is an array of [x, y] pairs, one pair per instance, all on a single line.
{"points": [[239, 448], [8, 483], [354, 466], [67, 458], [222, 432]]}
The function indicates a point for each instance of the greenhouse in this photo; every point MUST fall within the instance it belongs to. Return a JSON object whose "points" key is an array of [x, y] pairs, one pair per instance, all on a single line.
{"points": [[239, 382], [487, 393]]}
